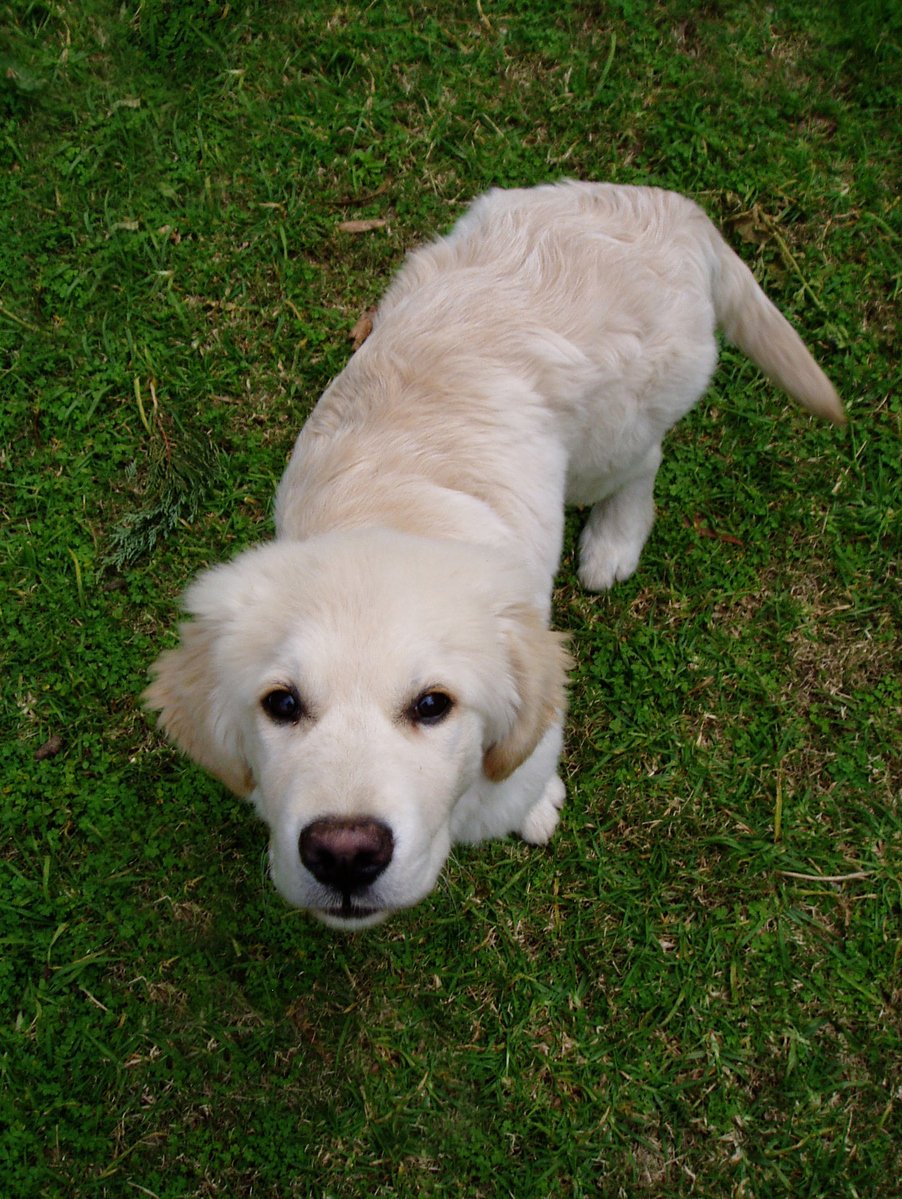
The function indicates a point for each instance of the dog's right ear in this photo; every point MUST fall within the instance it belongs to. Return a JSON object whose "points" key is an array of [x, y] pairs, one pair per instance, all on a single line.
{"points": [[194, 711]]}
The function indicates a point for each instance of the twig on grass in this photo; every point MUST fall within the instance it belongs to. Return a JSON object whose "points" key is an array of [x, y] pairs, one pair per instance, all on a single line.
{"points": [[827, 878], [18, 320]]}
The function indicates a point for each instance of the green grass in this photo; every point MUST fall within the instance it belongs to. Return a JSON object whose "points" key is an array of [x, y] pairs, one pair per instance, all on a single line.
{"points": [[671, 999]]}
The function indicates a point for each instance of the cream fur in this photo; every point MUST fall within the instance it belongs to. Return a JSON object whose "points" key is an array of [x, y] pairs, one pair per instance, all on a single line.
{"points": [[535, 356]]}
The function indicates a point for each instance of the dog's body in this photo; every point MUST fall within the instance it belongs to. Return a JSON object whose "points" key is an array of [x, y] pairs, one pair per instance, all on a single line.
{"points": [[381, 679]]}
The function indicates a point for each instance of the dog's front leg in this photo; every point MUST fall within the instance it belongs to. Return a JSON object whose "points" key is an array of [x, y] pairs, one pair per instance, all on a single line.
{"points": [[617, 528], [542, 819]]}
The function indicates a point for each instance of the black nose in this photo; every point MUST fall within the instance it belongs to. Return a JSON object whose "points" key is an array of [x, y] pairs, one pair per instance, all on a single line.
{"points": [[347, 854]]}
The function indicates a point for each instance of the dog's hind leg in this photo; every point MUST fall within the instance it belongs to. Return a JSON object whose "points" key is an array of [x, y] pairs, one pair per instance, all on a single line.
{"points": [[617, 528]]}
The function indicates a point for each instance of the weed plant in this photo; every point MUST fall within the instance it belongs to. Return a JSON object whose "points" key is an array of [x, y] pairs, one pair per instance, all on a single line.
{"points": [[695, 990]]}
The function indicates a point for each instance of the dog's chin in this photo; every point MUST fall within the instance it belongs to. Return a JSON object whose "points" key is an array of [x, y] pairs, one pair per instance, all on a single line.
{"points": [[350, 919]]}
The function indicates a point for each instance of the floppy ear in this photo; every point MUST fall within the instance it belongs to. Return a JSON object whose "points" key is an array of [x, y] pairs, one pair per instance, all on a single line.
{"points": [[193, 711], [538, 663]]}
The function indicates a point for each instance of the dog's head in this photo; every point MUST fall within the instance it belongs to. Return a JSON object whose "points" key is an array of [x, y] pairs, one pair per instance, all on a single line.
{"points": [[356, 686]]}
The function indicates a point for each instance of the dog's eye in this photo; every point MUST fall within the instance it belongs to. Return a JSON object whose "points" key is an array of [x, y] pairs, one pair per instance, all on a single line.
{"points": [[283, 705], [431, 707]]}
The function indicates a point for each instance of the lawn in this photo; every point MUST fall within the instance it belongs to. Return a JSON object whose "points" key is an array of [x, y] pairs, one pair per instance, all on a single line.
{"points": [[695, 989]]}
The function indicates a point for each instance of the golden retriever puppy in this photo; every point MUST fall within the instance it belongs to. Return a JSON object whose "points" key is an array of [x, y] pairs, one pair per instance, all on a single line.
{"points": [[380, 680]]}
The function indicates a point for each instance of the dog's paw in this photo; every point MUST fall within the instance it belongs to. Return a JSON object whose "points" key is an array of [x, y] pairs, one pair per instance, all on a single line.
{"points": [[604, 560], [542, 819]]}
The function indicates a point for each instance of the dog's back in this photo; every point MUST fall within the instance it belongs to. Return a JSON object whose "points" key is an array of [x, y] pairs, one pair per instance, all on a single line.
{"points": [[595, 261]]}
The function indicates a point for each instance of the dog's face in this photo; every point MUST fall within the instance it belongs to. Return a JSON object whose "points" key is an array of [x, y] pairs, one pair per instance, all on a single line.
{"points": [[355, 687]]}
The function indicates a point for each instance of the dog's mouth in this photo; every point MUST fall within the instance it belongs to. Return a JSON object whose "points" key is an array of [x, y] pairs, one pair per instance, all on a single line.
{"points": [[350, 915], [353, 911]]}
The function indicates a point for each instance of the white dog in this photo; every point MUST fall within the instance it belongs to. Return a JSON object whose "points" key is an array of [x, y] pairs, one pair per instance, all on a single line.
{"points": [[380, 680]]}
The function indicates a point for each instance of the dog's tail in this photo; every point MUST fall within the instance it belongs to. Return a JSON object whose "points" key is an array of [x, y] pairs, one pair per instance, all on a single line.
{"points": [[751, 322]]}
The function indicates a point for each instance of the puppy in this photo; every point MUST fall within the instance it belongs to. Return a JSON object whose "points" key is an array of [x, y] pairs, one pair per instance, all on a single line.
{"points": [[381, 680]]}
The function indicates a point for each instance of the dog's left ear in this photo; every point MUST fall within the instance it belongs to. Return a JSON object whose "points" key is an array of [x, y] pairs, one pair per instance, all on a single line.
{"points": [[538, 662]]}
